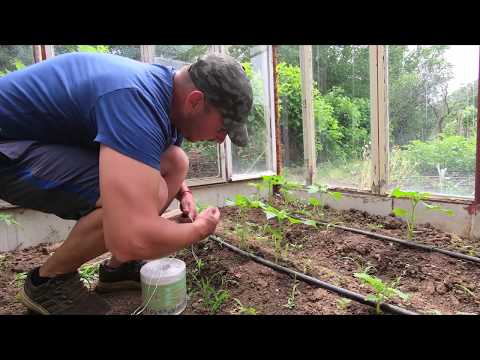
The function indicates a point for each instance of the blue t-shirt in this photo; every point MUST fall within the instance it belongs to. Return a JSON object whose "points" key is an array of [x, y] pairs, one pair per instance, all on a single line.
{"points": [[83, 99]]}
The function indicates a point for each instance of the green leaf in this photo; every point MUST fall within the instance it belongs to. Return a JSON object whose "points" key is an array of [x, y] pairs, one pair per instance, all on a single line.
{"points": [[314, 201], [312, 189], [335, 194], [19, 64], [270, 214], [400, 212], [294, 221], [438, 208]]}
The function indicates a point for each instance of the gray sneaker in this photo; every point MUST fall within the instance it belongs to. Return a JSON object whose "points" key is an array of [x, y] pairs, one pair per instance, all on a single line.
{"points": [[62, 295]]}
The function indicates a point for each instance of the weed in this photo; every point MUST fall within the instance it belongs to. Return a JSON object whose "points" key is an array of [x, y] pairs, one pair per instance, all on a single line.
{"points": [[383, 292], [243, 310], [88, 273], [415, 198], [212, 298], [307, 265], [20, 278], [242, 231], [465, 289], [291, 298], [343, 303]]}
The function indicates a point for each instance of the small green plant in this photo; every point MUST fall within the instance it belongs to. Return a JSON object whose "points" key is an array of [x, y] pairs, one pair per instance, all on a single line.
{"points": [[88, 273], [317, 203], [343, 303], [283, 218], [242, 231], [8, 219], [212, 299], [383, 292], [415, 198], [286, 187], [20, 278], [244, 203], [243, 310], [291, 298]]}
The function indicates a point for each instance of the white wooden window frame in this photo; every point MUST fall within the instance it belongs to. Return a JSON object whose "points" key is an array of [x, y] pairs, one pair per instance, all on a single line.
{"points": [[271, 136], [379, 121]]}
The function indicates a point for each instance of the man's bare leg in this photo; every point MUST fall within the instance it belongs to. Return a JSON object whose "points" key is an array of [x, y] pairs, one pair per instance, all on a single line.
{"points": [[85, 242]]}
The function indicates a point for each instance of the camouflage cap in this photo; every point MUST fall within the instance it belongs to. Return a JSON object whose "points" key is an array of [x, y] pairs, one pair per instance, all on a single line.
{"points": [[227, 87]]}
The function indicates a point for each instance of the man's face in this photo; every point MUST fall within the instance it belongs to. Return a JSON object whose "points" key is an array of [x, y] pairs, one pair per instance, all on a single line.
{"points": [[205, 122]]}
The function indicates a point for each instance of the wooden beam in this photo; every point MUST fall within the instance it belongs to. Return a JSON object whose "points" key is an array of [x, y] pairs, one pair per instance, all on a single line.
{"points": [[310, 155], [379, 118], [147, 53]]}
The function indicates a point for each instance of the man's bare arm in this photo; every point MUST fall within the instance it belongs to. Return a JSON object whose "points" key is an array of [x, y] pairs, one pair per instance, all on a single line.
{"points": [[130, 199]]}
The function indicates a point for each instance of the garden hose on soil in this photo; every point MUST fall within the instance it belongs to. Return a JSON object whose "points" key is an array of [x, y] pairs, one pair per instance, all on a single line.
{"points": [[392, 309]]}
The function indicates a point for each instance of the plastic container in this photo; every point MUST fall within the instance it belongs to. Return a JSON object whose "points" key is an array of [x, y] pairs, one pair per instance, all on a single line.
{"points": [[164, 286]]}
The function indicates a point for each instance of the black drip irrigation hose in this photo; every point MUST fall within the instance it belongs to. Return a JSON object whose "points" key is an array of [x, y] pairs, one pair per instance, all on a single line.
{"points": [[392, 309], [405, 242]]}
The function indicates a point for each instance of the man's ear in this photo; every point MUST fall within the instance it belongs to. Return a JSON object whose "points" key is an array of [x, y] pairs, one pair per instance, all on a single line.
{"points": [[195, 101]]}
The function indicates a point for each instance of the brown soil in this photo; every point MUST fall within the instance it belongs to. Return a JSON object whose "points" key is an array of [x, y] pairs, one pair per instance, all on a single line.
{"points": [[395, 227], [252, 284], [435, 282]]}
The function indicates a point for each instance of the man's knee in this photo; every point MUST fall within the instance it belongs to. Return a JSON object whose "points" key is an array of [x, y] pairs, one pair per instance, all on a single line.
{"points": [[174, 160]]}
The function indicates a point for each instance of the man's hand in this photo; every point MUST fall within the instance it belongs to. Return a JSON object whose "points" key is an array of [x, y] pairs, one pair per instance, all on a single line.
{"points": [[187, 205], [207, 221]]}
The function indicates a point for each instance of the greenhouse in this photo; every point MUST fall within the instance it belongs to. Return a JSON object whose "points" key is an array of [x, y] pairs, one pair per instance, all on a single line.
{"points": [[357, 193]]}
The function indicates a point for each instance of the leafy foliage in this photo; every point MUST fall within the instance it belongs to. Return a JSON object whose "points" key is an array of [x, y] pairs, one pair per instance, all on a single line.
{"points": [[415, 198], [383, 292]]}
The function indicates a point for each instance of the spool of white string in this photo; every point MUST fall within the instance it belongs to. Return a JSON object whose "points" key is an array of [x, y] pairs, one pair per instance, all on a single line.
{"points": [[164, 286]]}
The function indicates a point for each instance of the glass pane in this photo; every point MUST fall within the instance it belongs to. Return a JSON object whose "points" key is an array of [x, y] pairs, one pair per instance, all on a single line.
{"points": [[130, 51], [433, 114], [255, 157], [203, 155], [15, 57], [290, 103], [341, 100]]}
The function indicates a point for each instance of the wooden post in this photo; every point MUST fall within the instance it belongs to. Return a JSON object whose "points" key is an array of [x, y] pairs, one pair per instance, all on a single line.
{"points": [[147, 53], [379, 118], [307, 112]]}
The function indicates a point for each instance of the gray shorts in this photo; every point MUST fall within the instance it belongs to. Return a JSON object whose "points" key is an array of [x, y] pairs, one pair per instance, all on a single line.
{"points": [[56, 179]]}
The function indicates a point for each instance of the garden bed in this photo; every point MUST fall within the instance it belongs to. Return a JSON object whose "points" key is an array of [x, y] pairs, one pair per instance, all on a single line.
{"points": [[223, 282], [435, 282], [234, 280]]}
